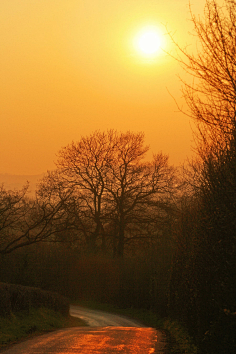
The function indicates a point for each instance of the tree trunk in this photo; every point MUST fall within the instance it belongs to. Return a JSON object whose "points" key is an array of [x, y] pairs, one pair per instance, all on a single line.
{"points": [[121, 238]]}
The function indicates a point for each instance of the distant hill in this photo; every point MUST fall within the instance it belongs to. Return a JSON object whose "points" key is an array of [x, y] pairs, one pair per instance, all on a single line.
{"points": [[12, 182]]}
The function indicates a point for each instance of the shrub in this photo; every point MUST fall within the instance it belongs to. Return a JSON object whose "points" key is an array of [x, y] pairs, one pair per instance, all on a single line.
{"points": [[16, 298], [5, 300]]}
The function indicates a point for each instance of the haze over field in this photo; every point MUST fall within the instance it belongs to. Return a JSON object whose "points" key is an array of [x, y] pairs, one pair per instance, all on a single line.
{"points": [[70, 68], [12, 182]]}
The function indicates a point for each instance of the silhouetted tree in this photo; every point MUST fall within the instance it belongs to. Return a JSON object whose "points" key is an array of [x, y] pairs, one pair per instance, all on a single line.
{"points": [[81, 171], [24, 221], [134, 189], [211, 95], [111, 190], [209, 235]]}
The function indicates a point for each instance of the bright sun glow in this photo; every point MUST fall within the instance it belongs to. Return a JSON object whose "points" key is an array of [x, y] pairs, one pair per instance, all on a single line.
{"points": [[148, 42]]}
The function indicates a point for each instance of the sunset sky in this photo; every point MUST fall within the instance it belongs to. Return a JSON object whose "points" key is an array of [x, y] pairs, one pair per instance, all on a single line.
{"points": [[69, 67]]}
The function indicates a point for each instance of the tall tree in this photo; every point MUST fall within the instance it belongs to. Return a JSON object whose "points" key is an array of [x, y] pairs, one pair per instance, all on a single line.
{"points": [[82, 169], [211, 100], [133, 185], [109, 185], [211, 95]]}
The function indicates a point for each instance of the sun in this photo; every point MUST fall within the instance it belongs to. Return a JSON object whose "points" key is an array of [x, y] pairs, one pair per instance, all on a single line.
{"points": [[148, 42]]}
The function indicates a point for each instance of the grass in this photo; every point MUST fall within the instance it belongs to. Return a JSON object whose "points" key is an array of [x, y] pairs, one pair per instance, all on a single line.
{"points": [[24, 325], [178, 340]]}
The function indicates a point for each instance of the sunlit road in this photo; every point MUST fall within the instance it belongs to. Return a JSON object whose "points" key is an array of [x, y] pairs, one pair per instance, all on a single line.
{"points": [[95, 318], [111, 338]]}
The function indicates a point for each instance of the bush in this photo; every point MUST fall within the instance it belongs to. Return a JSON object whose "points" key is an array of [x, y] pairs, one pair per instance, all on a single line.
{"points": [[17, 298], [181, 342], [221, 336], [37, 321], [5, 300]]}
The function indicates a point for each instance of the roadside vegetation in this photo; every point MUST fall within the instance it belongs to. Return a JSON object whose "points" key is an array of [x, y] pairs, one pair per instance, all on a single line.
{"points": [[27, 311], [178, 340], [23, 325]]}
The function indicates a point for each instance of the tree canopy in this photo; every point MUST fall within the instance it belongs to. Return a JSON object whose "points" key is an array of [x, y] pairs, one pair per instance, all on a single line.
{"points": [[112, 188]]}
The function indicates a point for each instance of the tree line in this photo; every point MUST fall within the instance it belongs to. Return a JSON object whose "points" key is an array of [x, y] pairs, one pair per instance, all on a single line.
{"points": [[203, 286], [102, 196]]}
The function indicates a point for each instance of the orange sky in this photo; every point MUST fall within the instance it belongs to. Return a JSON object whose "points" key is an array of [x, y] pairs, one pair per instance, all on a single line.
{"points": [[68, 68]]}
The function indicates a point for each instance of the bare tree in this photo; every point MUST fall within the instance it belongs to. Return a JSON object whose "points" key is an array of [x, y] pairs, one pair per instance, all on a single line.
{"points": [[110, 187], [133, 185], [24, 221], [211, 100], [82, 168], [211, 94], [12, 209]]}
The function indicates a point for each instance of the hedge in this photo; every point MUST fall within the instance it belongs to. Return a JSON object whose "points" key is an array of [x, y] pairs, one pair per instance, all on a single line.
{"points": [[17, 298]]}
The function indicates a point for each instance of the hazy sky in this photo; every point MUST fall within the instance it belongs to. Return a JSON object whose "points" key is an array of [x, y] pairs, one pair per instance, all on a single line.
{"points": [[69, 67]]}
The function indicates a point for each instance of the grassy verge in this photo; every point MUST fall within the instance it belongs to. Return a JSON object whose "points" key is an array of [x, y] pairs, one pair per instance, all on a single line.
{"points": [[23, 325], [178, 341]]}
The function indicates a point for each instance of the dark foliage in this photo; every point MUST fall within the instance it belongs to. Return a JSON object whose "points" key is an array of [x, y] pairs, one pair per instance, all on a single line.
{"points": [[203, 286], [17, 298]]}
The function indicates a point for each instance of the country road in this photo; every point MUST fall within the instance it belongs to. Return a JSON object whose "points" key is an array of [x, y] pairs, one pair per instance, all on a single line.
{"points": [[95, 318], [108, 334]]}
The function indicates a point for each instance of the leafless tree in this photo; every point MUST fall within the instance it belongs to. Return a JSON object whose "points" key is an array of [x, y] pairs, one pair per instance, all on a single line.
{"points": [[133, 187], [110, 188], [82, 169], [211, 93], [208, 228], [24, 221]]}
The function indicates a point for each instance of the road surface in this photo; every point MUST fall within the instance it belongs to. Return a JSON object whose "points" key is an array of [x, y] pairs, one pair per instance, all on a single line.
{"points": [[95, 318], [110, 334]]}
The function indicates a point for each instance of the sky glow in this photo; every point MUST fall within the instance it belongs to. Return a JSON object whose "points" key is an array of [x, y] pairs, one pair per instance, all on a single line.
{"points": [[69, 68]]}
